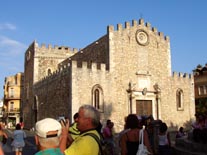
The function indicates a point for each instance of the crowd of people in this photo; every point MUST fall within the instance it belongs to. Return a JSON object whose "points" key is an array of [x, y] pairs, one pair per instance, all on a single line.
{"points": [[87, 136]]}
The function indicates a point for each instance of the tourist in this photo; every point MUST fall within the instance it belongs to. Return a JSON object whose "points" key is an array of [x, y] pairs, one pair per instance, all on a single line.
{"points": [[180, 133], [21, 123], [74, 132], [3, 136], [199, 122], [88, 121], [1, 150], [18, 140], [47, 136], [108, 136], [121, 133], [130, 140], [164, 140]]}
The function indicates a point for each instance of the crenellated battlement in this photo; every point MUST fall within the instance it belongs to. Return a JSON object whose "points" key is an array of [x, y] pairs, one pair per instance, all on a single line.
{"points": [[89, 66], [56, 48], [62, 70], [135, 23], [182, 75], [65, 69]]}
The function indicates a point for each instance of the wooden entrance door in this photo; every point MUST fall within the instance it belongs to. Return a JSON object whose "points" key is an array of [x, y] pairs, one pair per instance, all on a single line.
{"points": [[144, 107]]}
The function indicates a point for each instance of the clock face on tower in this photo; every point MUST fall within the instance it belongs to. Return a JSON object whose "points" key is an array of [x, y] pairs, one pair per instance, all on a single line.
{"points": [[142, 37]]}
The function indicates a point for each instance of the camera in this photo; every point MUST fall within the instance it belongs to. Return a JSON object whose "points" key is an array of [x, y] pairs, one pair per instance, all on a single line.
{"points": [[62, 119]]}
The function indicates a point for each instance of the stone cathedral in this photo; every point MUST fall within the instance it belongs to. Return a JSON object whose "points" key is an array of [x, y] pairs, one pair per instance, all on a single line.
{"points": [[128, 70]]}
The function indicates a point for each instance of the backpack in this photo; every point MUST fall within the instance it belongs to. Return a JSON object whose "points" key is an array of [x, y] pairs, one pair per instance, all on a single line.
{"points": [[103, 150]]}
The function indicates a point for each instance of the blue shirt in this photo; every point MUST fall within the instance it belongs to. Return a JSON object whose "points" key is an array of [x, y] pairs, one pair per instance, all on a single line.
{"points": [[18, 136]]}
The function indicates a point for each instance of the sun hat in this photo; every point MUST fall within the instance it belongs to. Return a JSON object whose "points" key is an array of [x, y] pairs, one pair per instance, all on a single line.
{"points": [[46, 125]]}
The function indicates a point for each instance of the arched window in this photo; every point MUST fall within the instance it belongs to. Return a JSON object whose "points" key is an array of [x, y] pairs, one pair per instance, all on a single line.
{"points": [[97, 98], [179, 99]]}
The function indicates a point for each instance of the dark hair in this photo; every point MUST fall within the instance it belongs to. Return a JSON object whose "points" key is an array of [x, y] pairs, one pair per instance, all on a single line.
{"points": [[163, 127], [99, 127], [75, 116], [18, 127], [132, 121], [181, 129], [108, 122]]}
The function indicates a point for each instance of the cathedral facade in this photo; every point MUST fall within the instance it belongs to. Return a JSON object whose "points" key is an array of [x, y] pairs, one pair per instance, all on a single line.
{"points": [[128, 70]]}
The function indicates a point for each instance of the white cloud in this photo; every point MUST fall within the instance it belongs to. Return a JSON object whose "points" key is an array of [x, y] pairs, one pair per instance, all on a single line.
{"points": [[7, 26], [10, 47], [11, 56]]}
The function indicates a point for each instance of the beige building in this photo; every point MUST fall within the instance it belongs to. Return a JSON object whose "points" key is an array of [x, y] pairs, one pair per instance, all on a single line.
{"points": [[1, 110], [13, 88], [128, 70]]}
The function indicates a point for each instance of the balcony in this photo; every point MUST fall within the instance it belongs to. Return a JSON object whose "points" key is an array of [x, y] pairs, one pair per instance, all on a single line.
{"points": [[13, 111], [12, 97]]}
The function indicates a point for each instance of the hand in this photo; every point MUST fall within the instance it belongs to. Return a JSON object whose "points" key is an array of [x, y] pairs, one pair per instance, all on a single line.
{"points": [[65, 127], [64, 135]]}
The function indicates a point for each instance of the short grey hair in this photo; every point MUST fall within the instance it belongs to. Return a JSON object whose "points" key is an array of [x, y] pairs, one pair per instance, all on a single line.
{"points": [[48, 142], [91, 112]]}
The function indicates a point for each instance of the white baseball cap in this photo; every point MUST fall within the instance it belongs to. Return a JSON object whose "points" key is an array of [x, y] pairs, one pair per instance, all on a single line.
{"points": [[43, 126]]}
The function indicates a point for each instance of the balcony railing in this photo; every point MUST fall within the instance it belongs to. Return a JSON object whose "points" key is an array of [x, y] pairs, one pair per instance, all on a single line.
{"points": [[10, 97], [15, 110]]}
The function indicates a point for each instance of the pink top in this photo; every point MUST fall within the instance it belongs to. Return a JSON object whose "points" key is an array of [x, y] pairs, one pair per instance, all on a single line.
{"points": [[107, 132]]}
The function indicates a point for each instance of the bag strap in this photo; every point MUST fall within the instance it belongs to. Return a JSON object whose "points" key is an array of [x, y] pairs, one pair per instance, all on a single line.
{"points": [[141, 140], [97, 140]]}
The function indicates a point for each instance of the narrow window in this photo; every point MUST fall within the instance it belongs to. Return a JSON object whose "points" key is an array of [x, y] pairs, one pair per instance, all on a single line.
{"points": [[201, 90], [205, 89], [11, 106], [97, 98], [179, 99], [11, 93]]}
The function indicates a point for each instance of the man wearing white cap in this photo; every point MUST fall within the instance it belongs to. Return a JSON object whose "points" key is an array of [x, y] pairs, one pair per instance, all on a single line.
{"points": [[48, 132]]}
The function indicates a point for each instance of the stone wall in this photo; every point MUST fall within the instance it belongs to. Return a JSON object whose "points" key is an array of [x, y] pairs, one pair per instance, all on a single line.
{"points": [[52, 94], [38, 60], [135, 54]]}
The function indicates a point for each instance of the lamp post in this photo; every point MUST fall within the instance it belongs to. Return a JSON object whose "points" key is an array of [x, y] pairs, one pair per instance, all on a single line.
{"points": [[129, 91]]}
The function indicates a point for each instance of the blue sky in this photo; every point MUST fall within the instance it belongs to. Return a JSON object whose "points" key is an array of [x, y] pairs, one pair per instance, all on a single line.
{"points": [[77, 23]]}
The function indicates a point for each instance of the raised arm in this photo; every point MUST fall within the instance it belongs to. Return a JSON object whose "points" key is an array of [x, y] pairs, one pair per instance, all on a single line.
{"points": [[64, 135]]}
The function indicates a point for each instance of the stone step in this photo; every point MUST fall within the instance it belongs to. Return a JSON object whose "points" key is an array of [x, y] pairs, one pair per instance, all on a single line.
{"points": [[181, 151], [190, 147]]}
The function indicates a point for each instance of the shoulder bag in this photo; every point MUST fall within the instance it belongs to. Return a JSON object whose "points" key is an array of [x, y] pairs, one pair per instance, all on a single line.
{"points": [[142, 149]]}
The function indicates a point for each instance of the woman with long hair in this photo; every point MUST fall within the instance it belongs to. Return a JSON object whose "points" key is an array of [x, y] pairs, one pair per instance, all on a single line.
{"points": [[130, 140]]}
